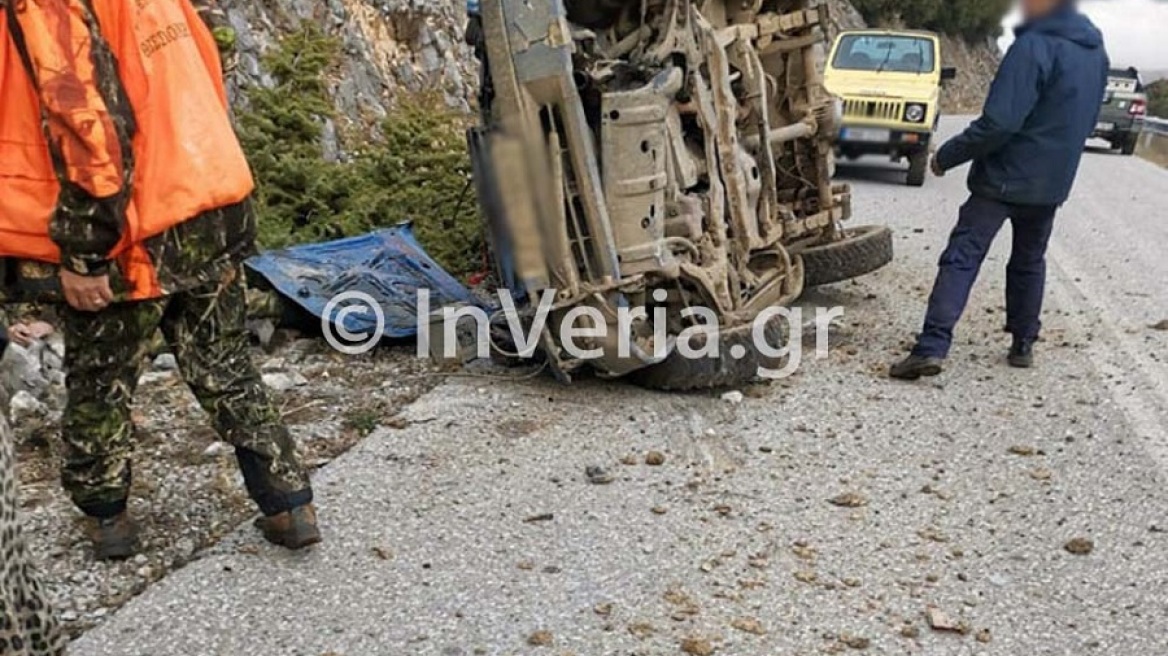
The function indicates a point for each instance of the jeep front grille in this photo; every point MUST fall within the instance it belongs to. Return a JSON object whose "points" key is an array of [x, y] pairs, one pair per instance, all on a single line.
{"points": [[884, 110]]}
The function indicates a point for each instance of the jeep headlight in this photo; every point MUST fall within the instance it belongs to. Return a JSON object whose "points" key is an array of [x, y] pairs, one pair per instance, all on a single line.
{"points": [[915, 112]]}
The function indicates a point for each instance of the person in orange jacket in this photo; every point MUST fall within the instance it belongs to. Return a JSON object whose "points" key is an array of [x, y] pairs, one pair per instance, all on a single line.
{"points": [[120, 165]]}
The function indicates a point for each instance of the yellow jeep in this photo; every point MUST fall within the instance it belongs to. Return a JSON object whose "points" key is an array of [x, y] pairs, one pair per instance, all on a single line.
{"points": [[889, 82]]}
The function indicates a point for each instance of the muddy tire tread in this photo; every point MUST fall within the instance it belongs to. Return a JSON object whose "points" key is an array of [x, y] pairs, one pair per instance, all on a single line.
{"points": [[866, 249], [679, 374]]}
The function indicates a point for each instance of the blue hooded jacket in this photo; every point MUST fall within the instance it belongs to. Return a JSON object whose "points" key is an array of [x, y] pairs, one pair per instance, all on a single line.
{"points": [[1042, 108]]}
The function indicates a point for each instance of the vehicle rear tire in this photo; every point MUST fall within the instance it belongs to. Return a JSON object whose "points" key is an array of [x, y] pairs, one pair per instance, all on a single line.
{"points": [[1129, 143], [918, 168], [677, 373], [862, 250]]}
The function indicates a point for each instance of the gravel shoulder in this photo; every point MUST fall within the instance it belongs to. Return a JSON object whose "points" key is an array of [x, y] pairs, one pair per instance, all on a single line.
{"points": [[188, 493], [824, 514]]}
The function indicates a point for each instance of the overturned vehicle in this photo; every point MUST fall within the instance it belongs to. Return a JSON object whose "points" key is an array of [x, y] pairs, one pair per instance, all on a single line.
{"points": [[669, 157]]}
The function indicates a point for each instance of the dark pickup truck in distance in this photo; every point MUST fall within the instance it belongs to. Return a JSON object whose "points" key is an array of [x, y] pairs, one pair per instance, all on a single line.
{"points": [[1125, 105]]}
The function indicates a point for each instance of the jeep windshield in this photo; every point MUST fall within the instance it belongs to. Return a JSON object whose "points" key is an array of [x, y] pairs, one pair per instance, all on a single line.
{"points": [[881, 53]]}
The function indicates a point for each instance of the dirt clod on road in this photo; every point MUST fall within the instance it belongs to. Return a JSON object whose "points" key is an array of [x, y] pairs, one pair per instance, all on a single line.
{"points": [[1079, 546]]}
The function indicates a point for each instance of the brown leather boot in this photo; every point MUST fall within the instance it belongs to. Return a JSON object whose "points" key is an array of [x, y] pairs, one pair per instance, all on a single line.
{"points": [[294, 529], [114, 538]]}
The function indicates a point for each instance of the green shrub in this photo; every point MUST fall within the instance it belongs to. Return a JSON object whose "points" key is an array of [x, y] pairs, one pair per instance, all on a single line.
{"points": [[417, 170]]}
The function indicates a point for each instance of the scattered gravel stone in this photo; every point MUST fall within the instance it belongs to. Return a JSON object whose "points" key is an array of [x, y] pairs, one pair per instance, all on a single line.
{"points": [[749, 625], [282, 381], [642, 630], [214, 450], [697, 647], [151, 378], [541, 639], [733, 398], [939, 621], [25, 407], [598, 475], [806, 576], [165, 362], [855, 642], [849, 500], [1079, 546], [1041, 474], [655, 458]]}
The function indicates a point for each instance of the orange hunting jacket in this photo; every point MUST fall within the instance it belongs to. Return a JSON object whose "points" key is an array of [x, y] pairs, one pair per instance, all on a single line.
{"points": [[114, 129]]}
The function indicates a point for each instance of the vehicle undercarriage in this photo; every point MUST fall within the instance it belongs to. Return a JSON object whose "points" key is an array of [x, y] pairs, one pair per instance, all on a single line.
{"points": [[665, 155]]}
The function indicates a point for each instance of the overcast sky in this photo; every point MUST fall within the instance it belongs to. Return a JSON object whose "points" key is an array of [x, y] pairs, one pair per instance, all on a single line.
{"points": [[1136, 30]]}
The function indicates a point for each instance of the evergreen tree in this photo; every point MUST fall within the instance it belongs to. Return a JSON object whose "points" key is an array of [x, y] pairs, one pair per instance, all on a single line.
{"points": [[972, 19]]}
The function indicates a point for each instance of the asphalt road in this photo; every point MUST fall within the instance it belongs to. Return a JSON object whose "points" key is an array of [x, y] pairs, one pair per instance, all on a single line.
{"points": [[474, 530]]}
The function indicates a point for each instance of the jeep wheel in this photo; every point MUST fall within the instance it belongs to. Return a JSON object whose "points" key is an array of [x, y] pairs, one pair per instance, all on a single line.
{"points": [[862, 250], [918, 168], [678, 373]]}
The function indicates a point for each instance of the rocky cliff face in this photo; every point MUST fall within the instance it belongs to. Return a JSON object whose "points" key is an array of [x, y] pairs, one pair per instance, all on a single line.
{"points": [[389, 47], [976, 65]]}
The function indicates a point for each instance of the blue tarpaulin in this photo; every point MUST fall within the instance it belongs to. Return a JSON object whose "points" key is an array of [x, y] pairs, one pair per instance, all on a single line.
{"points": [[388, 265]]}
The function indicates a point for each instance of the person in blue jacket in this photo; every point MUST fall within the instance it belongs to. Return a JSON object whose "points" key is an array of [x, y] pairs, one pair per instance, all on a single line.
{"points": [[1025, 148]]}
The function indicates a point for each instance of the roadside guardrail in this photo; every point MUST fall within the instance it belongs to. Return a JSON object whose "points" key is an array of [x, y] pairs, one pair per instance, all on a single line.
{"points": [[1154, 142]]}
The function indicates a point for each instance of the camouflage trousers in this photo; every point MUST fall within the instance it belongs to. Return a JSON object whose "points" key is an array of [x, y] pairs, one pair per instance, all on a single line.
{"points": [[105, 354]]}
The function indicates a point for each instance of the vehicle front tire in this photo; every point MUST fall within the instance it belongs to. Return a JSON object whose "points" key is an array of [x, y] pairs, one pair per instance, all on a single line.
{"points": [[862, 250], [677, 373], [918, 168], [1129, 143]]}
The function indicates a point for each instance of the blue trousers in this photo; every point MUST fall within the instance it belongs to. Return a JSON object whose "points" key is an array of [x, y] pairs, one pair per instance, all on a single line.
{"points": [[977, 226]]}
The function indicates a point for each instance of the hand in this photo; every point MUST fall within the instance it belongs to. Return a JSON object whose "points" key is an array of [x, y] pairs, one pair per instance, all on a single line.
{"points": [[41, 329], [936, 168], [20, 333], [86, 293], [26, 333]]}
